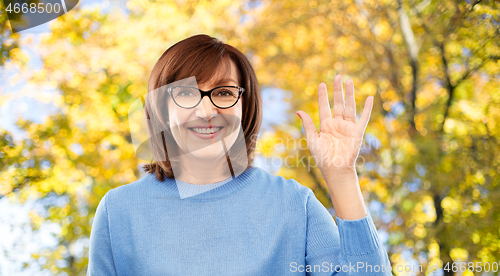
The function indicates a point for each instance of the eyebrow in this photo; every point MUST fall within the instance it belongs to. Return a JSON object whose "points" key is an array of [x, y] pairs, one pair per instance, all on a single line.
{"points": [[225, 81]]}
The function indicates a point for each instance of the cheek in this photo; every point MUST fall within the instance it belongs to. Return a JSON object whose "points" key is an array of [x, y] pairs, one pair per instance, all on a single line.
{"points": [[240, 114], [238, 110], [234, 112], [176, 115], [171, 114]]}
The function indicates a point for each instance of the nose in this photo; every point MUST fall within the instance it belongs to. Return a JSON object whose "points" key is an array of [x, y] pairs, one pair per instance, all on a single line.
{"points": [[206, 110]]}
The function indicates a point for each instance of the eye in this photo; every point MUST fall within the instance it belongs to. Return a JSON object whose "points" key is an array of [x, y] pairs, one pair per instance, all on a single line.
{"points": [[224, 92], [184, 92]]}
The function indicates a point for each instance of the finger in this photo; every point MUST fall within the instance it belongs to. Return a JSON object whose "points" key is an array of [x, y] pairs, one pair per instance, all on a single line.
{"points": [[365, 116], [350, 102], [309, 127], [324, 105], [338, 98]]}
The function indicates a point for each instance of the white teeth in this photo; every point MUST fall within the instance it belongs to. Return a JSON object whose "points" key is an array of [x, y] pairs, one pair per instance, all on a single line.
{"points": [[206, 130]]}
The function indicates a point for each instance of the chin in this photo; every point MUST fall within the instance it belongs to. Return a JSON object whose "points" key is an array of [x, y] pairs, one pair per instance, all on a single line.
{"points": [[210, 152]]}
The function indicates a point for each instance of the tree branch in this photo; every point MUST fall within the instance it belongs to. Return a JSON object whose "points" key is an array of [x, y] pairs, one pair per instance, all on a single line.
{"points": [[13, 189], [448, 86], [413, 49]]}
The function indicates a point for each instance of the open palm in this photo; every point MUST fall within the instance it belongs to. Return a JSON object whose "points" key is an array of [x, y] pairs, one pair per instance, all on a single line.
{"points": [[337, 145]]}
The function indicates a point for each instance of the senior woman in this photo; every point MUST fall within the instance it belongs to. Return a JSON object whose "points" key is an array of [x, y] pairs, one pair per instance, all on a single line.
{"points": [[235, 219]]}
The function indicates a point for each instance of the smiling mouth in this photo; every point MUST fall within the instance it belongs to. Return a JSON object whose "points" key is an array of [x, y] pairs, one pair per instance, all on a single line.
{"points": [[206, 130]]}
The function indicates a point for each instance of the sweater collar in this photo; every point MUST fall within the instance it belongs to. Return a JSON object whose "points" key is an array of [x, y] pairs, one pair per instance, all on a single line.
{"points": [[206, 192]]}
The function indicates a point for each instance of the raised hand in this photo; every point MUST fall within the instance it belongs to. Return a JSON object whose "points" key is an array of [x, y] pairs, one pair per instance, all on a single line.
{"points": [[336, 147]]}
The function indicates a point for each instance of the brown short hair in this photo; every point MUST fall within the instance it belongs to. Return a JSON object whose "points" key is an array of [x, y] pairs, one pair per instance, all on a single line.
{"points": [[201, 56]]}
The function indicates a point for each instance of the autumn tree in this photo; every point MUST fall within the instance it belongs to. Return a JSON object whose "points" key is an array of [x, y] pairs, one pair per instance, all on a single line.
{"points": [[9, 42], [432, 141], [434, 71], [100, 62]]}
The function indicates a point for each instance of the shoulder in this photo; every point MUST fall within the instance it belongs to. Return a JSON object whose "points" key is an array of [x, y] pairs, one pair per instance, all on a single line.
{"points": [[284, 186], [140, 188]]}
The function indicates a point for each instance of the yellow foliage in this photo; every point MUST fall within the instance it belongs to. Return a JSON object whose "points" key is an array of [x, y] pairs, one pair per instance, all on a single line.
{"points": [[459, 254], [294, 46], [420, 231], [451, 205]]}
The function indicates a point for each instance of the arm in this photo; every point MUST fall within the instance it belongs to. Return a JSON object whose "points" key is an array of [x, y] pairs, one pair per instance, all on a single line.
{"points": [[335, 150], [351, 248], [100, 253], [344, 190]]}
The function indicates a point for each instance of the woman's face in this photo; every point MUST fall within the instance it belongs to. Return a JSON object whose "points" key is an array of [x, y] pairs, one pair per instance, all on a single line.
{"points": [[199, 130]]}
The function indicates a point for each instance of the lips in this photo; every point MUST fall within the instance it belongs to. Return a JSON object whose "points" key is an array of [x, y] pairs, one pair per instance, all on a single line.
{"points": [[206, 132]]}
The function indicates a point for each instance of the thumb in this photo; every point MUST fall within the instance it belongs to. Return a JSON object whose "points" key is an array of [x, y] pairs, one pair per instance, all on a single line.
{"points": [[307, 123], [365, 116]]}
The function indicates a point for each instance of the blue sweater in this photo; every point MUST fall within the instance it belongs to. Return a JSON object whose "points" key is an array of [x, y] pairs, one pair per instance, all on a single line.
{"points": [[254, 224]]}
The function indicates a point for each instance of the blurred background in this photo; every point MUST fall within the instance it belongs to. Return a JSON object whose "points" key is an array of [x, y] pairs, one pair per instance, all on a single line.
{"points": [[429, 167]]}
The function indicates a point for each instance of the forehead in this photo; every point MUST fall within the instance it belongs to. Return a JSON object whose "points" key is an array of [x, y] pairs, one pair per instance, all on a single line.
{"points": [[225, 75]]}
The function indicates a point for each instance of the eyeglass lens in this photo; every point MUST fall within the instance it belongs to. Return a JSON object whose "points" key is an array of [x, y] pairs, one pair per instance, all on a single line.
{"points": [[189, 96]]}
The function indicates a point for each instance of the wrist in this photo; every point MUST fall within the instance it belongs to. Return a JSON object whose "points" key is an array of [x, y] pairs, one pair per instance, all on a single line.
{"points": [[339, 172]]}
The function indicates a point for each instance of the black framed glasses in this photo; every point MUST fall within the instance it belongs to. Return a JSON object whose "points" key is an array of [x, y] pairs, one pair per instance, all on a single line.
{"points": [[221, 96]]}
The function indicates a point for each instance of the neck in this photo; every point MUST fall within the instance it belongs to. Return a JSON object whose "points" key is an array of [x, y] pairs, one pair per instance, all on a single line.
{"points": [[202, 171]]}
